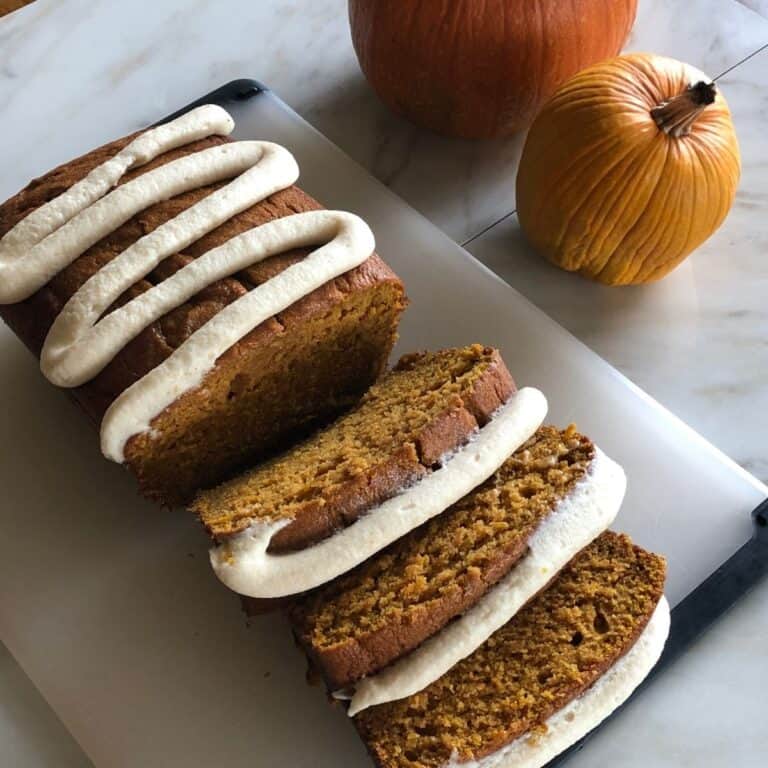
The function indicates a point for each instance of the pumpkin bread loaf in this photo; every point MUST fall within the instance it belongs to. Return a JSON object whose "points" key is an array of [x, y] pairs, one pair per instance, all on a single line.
{"points": [[547, 656], [383, 609], [426, 407], [294, 371]]}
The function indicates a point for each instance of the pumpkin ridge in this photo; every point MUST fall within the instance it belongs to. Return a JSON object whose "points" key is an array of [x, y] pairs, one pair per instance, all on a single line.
{"points": [[615, 211], [633, 61], [587, 201], [602, 189], [481, 69], [574, 94], [650, 245], [574, 171], [557, 188], [706, 166], [642, 208], [642, 252], [695, 203], [654, 232], [701, 166]]}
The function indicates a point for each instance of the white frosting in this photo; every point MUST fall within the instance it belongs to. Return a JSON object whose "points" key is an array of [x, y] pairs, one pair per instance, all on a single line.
{"points": [[79, 345], [587, 711], [351, 243], [577, 519], [244, 565]]}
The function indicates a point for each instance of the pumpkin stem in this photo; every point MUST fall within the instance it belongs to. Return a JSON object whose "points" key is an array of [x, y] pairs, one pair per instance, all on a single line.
{"points": [[676, 115]]}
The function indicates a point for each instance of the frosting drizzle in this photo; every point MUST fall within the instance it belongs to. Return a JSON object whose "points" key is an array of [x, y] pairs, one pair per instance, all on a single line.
{"points": [[81, 342], [244, 565], [575, 521]]}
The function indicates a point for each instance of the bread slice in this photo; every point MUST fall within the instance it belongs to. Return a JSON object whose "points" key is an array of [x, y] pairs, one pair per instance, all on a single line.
{"points": [[562, 654], [291, 373], [382, 610], [425, 408]]}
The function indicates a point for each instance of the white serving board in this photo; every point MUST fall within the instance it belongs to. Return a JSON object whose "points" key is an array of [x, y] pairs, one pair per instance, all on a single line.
{"points": [[109, 605]]}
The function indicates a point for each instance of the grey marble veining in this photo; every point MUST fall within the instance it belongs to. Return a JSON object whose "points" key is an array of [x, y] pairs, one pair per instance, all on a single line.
{"points": [[132, 66], [761, 6]]}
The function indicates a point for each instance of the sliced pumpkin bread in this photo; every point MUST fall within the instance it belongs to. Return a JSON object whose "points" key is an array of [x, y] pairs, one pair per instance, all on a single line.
{"points": [[562, 663], [383, 609], [291, 374], [425, 408]]}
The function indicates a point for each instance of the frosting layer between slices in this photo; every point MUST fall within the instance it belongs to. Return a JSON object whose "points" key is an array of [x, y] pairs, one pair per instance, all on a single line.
{"points": [[244, 565], [587, 711], [576, 520]]}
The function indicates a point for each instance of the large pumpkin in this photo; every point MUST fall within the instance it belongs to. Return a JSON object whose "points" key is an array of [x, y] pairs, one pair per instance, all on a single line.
{"points": [[631, 165], [480, 69]]}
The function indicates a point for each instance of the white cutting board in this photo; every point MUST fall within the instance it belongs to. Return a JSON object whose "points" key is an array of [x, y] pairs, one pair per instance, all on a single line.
{"points": [[109, 604]]}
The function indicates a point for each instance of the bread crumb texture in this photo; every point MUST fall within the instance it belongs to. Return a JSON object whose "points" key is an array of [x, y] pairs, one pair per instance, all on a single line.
{"points": [[293, 372], [428, 405], [394, 601], [547, 655]]}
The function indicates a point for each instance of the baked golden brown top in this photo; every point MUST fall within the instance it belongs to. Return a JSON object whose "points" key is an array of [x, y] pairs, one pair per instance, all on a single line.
{"points": [[547, 655], [423, 409], [370, 297], [31, 319], [387, 606]]}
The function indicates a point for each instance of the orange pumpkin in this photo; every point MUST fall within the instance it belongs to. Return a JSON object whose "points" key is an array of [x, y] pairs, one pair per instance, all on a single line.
{"points": [[480, 69], [631, 165]]}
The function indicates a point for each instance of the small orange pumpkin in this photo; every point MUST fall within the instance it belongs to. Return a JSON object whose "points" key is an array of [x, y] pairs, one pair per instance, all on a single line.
{"points": [[630, 166], [480, 69]]}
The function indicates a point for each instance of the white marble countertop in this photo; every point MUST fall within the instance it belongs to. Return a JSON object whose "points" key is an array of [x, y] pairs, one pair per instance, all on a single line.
{"points": [[75, 74]]}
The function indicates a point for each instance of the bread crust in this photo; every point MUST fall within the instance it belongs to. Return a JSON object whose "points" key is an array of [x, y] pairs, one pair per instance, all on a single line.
{"points": [[450, 429], [31, 319], [343, 663], [372, 724]]}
